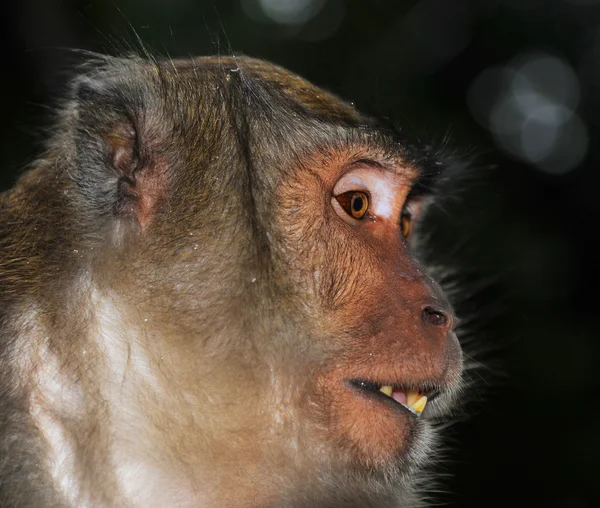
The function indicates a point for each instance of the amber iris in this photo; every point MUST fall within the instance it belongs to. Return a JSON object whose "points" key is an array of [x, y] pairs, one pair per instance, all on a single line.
{"points": [[405, 223], [354, 203]]}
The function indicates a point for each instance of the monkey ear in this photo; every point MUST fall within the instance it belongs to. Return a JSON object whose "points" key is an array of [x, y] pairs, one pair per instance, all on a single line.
{"points": [[116, 167]]}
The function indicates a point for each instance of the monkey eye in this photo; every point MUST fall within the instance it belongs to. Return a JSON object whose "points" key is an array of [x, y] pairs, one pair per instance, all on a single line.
{"points": [[405, 223], [354, 203]]}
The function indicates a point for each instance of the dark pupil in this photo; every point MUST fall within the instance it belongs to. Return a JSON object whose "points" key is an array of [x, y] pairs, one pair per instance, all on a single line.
{"points": [[357, 204]]}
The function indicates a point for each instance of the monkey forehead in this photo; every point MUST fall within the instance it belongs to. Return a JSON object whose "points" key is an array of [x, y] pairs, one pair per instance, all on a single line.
{"points": [[256, 73], [265, 83]]}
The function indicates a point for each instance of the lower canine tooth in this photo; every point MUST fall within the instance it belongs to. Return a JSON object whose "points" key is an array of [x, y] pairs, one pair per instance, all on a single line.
{"points": [[387, 389], [419, 405]]}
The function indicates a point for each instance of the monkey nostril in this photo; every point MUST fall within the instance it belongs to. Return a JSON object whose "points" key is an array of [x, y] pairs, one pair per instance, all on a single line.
{"points": [[434, 316]]}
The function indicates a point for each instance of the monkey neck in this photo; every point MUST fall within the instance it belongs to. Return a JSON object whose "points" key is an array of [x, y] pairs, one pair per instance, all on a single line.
{"points": [[115, 390]]}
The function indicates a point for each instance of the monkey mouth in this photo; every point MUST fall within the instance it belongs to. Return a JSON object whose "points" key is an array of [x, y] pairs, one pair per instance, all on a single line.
{"points": [[413, 399]]}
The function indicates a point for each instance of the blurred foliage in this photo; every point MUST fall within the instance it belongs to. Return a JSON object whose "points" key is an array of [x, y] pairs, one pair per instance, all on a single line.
{"points": [[525, 237]]}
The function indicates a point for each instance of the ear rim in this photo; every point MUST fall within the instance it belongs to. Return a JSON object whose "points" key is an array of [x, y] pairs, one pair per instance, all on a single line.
{"points": [[118, 171]]}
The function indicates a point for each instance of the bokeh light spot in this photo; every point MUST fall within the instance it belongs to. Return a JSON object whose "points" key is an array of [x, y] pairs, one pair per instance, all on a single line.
{"points": [[529, 106], [291, 12]]}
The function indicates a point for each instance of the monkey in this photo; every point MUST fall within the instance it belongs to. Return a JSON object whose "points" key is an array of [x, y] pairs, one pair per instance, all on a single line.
{"points": [[211, 296]]}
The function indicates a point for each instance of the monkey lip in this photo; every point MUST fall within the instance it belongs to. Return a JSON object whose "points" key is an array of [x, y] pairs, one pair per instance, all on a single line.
{"points": [[410, 398]]}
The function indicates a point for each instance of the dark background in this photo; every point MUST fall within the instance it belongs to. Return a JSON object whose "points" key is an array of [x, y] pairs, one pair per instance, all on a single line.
{"points": [[516, 84]]}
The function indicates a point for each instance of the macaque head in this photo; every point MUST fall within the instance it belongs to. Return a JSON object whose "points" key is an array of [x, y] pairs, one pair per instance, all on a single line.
{"points": [[227, 285]]}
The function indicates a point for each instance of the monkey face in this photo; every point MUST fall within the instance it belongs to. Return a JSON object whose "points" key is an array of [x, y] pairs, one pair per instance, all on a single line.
{"points": [[240, 302], [393, 360]]}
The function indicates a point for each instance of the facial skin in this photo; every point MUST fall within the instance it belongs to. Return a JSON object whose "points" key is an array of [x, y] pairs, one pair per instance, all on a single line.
{"points": [[204, 284]]}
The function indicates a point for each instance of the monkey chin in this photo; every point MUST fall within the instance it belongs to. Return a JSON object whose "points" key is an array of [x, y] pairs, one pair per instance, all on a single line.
{"points": [[372, 430]]}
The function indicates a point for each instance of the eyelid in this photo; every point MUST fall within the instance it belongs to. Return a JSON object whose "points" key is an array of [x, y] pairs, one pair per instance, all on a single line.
{"points": [[350, 183], [407, 207], [412, 207]]}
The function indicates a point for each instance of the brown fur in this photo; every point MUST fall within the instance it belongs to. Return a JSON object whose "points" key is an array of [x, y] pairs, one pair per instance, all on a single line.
{"points": [[183, 304]]}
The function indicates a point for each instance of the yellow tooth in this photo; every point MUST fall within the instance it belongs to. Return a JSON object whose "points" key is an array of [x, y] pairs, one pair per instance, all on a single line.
{"points": [[387, 389], [411, 398], [419, 405]]}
